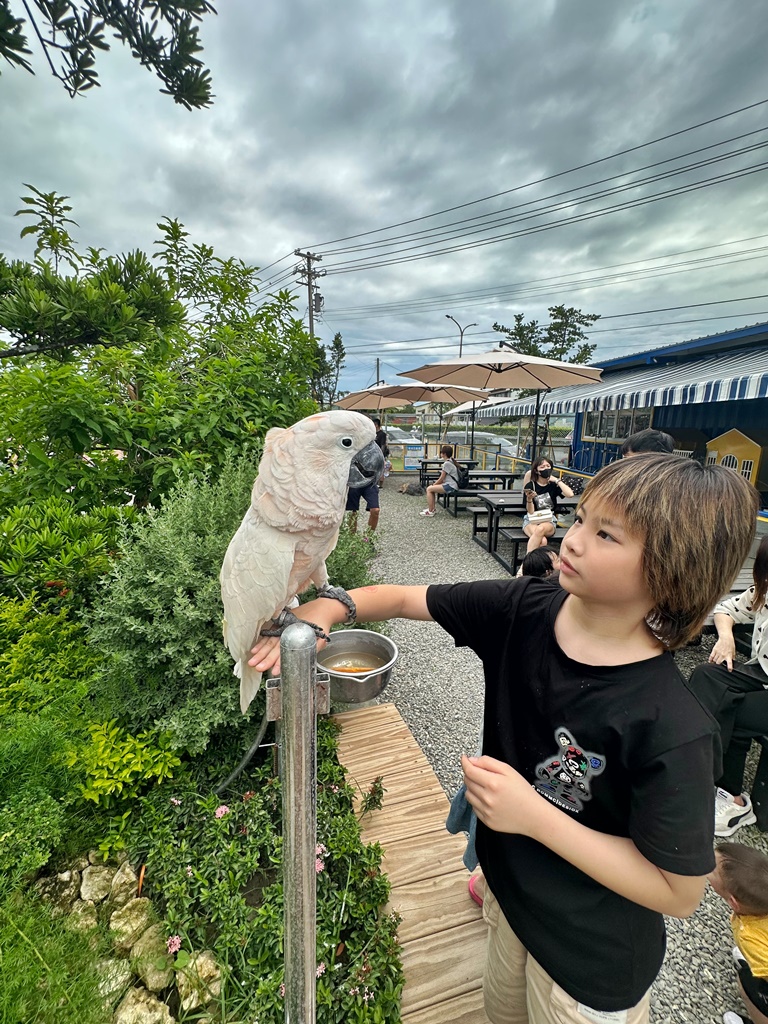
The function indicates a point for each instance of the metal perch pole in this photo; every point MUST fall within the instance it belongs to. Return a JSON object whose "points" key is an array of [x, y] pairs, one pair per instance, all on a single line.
{"points": [[296, 699]]}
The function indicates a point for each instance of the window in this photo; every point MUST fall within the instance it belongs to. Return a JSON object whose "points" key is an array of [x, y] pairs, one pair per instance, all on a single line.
{"points": [[711, 458], [615, 426], [747, 467], [730, 461]]}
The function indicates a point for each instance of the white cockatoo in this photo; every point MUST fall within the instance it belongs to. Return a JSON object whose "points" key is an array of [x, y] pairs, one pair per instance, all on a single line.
{"points": [[292, 525]]}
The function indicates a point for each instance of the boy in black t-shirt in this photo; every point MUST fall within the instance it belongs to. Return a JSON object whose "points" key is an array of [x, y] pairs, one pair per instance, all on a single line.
{"points": [[594, 792]]}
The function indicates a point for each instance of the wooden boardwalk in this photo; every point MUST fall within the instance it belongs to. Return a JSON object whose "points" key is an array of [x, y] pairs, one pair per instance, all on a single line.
{"points": [[442, 932]]}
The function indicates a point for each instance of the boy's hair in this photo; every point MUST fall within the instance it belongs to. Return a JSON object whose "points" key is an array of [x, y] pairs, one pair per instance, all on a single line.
{"points": [[744, 872], [447, 450], [649, 440], [538, 562], [696, 524]]}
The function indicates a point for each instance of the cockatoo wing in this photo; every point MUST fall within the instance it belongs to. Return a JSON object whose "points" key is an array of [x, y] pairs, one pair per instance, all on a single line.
{"points": [[254, 588]]}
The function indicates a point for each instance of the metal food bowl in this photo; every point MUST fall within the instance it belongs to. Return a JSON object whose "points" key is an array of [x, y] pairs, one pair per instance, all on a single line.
{"points": [[359, 663]]}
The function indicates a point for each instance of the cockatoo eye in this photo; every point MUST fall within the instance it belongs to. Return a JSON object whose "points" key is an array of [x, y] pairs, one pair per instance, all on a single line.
{"points": [[346, 442]]}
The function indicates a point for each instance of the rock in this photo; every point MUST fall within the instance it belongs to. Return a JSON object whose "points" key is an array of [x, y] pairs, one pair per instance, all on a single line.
{"points": [[80, 864], [411, 488], [96, 883], [113, 978], [60, 891], [84, 916], [150, 959], [124, 886], [94, 857], [130, 922], [141, 1007], [199, 983]]}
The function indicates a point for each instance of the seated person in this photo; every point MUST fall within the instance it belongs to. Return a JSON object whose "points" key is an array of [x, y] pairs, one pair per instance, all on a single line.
{"points": [[541, 492], [741, 879], [447, 481], [649, 440], [736, 694]]}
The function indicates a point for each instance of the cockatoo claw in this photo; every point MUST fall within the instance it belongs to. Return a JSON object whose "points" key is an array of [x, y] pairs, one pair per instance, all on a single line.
{"points": [[340, 594], [287, 618]]}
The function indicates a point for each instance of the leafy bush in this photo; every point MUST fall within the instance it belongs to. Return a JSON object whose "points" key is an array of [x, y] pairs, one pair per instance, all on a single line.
{"points": [[31, 823], [45, 663], [214, 865], [158, 622], [118, 765], [47, 970], [53, 549]]}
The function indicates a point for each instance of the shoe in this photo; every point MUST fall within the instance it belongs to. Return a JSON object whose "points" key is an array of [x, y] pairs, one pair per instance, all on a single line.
{"points": [[473, 893], [426, 512], [738, 956], [731, 1017], [730, 816]]}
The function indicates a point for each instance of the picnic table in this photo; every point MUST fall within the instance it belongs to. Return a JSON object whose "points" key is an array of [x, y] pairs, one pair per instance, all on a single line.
{"points": [[495, 505]]}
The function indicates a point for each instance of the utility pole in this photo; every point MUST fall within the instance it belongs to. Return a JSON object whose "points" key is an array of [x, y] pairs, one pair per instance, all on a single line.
{"points": [[461, 330], [307, 276]]}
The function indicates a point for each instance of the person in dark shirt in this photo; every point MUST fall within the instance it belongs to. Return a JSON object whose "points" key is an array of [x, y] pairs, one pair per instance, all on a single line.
{"points": [[594, 792], [541, 491], [649, 440]]}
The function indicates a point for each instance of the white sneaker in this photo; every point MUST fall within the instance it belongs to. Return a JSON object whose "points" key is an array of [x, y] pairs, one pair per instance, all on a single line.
{"points": [[426, 512], [738, 956], [731, 1017], [730, 816]]}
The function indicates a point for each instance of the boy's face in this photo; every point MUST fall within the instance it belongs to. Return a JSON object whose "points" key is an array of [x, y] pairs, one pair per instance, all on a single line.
{"points": [[600, 561]]}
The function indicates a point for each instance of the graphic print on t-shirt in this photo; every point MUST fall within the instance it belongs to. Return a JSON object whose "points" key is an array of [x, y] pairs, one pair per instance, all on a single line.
{"points": [[565, 780], [543, 502]]}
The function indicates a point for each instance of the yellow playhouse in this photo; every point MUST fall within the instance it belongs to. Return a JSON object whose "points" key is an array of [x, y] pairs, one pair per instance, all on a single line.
{"points": [[742, 453]]}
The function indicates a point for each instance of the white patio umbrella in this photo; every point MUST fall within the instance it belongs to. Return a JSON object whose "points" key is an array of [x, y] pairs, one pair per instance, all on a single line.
{"points": [[390, 396], [505, 368]]}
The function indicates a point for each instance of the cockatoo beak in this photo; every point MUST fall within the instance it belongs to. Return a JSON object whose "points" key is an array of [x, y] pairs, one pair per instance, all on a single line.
{"points": [[366, 467]]}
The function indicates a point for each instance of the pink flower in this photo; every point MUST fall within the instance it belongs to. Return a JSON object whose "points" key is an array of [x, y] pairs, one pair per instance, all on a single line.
{"points": [[221, 810], [320, 850], [175, 801], [249, 795], [174, 944], [189, 871], [320, 969], [282, 991], [319, 865], [354, 990]]}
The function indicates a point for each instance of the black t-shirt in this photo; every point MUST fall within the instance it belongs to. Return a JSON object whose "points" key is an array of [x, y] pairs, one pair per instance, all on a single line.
{"points": [[381, 441], [627, 750], [546, 495]]}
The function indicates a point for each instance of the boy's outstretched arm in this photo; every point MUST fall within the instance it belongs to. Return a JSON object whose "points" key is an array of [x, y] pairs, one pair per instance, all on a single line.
{"points": [[374, 604], [506, 802]]}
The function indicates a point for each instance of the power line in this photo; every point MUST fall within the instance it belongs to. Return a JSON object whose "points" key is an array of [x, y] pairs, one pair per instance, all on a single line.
{"points": [[549, 177]]}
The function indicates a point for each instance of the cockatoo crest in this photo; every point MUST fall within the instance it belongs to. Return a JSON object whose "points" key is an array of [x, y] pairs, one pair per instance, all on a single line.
{"points": [[292, 524]]}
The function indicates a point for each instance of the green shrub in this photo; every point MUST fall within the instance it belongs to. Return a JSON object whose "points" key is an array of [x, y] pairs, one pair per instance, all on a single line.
{"points": [[158, 621], [214, 866], [31, 824], [118, 766], [55, 550], [47, 971], [45, 663]]}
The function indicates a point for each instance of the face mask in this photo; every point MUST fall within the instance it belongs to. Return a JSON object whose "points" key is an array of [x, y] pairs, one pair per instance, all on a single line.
{"points": [[545, 472]]}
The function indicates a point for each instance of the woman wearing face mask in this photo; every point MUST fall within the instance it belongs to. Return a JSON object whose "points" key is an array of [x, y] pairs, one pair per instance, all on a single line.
{"points": [[541, 492]]}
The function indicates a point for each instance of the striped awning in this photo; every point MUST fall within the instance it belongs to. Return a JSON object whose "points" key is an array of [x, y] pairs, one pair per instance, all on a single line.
{"points": [[725, 378]]}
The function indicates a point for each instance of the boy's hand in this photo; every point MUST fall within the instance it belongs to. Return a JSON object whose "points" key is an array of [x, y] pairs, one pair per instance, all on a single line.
{"points": [[501, 798], [266, 651]]}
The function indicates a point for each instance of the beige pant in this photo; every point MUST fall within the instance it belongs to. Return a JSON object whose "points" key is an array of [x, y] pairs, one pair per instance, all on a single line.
{"points": [[517, 990]]}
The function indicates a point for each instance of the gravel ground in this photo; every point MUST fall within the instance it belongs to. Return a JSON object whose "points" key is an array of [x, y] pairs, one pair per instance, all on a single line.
{"points": [[439, 692]]}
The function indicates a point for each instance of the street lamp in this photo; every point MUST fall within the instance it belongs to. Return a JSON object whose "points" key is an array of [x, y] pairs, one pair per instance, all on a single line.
{"points": [[461, 330]]}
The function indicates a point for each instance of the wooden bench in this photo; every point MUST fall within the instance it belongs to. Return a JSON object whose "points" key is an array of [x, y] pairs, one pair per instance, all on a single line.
{"points": [[518, 539], [476, 511]]}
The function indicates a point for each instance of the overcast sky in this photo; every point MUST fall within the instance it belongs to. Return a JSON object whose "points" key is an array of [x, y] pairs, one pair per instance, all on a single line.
{"points": [[338, 120]]}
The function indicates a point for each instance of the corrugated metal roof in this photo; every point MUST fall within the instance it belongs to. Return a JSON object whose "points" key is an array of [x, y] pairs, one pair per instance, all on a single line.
{"points": [[723, 378]]}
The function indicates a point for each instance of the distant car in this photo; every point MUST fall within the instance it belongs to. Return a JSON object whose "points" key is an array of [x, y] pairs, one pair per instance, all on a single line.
{"points": [[400, 436]]}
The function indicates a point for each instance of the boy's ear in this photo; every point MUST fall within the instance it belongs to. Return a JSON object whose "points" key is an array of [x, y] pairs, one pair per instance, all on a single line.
{"points": [[734, 904]]}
